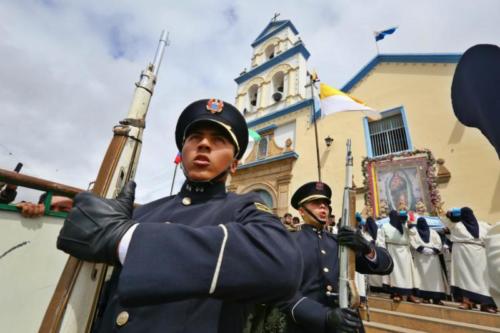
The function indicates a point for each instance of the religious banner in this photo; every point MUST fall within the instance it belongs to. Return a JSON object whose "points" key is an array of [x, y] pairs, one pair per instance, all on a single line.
{"points": [[402, 181]]}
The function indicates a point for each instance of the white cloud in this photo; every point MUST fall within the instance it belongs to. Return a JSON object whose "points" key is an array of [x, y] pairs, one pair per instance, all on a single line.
{"points": [[68, 68]]}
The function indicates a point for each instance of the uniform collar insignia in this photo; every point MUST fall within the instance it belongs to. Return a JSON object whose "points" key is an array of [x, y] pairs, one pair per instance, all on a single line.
{"points": [[200, 191]]}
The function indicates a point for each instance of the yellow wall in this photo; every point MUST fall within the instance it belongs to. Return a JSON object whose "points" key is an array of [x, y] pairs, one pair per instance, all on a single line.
{"points": [[423, 89], [340, 127]]}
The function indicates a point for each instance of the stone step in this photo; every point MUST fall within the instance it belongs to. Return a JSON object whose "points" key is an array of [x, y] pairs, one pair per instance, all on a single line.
{"points": [[422, 323], [449, 312], [373, 327]]}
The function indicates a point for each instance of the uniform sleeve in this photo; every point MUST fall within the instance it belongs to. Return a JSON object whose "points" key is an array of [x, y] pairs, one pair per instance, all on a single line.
{"points": [[437, 244], [381, 266], [306, 312], [415, 241], [492, 242], [250, 258], [381, 237]]}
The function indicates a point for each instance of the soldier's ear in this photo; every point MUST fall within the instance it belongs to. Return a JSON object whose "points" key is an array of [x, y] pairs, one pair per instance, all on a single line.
{"points": [[301, 211], [233, 166]]}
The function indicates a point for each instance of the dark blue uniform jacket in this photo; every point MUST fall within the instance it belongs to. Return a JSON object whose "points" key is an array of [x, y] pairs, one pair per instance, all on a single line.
{"points": [[319, 287], [199, 264]]}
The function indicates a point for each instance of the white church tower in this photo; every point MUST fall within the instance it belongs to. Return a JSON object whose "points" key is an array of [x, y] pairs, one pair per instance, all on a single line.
{"points": [[274, 96], [277, 75]]}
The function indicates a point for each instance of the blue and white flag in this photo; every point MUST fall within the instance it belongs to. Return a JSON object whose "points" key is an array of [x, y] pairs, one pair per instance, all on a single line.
{"points": [[379, 35]]}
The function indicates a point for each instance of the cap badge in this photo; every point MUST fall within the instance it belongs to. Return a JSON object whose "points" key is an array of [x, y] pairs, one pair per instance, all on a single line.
{"points": [[319, 186], [215, 105]]}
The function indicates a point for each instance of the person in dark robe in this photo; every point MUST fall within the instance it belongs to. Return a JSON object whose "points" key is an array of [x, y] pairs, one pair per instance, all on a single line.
{"points": [[468, 259], [475, 91]]}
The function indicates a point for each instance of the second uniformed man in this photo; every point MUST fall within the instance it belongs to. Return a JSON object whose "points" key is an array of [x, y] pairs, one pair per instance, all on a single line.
{"points": [[313, 308], [195, 261]]}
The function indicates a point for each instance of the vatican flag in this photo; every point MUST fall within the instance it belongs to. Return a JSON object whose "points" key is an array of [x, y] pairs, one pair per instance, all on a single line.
{"points": [[333, 100]]}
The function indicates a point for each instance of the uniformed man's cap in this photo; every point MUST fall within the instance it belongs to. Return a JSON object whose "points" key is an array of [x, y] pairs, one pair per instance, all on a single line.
{"points": [[218, 112], [311, 191]]}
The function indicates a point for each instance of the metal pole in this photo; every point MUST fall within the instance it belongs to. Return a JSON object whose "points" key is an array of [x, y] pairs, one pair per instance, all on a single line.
{"points": [[311, 81], [173, 179], [376, 42], [159, 51]]}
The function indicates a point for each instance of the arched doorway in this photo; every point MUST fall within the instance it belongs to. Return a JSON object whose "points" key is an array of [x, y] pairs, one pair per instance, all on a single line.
{"points": [[266, 197]]}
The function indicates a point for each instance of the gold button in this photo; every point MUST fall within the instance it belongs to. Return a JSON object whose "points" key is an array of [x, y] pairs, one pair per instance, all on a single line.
{"points": [[326, 270], [329, 288], [323, 251], [186, 201], [122, 318]]}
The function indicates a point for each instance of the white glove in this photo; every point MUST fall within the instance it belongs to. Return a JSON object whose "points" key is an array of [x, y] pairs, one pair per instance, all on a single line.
{"points": [[427, 251]]}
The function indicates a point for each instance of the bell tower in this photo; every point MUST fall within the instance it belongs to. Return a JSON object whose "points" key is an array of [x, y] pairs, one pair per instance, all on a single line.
{"points": [[277, 74], [271, 94]]}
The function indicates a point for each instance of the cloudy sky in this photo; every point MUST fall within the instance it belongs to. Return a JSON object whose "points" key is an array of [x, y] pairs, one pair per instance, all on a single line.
{"points": [[67, 68]]}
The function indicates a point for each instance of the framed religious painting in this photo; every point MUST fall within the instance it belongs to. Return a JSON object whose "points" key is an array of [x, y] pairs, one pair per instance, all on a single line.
{"points": [[404, 181]]}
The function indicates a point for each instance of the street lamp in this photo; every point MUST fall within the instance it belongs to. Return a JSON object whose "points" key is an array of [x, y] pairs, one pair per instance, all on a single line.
{"points": [[328, 141]]}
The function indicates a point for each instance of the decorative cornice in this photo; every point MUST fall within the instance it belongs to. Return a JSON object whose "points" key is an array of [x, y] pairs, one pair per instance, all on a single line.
{"points": [[287, 155], [404, 58], [292, 108], [267, 128], [264, 35], [299, 48]]}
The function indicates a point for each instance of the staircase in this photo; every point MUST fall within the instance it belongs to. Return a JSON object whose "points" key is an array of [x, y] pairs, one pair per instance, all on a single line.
{"points": [[405, 317]]}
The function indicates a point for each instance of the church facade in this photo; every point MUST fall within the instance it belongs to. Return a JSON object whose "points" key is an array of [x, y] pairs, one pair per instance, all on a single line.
{"points": [[418, 156]]}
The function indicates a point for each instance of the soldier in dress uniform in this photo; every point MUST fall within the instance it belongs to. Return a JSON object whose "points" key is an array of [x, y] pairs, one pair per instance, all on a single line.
{"points": [[314, 308], [195, 261]]}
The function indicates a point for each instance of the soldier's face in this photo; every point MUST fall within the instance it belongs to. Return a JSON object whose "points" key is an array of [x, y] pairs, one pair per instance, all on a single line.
{"points": [[207, 152], [319, 207]]}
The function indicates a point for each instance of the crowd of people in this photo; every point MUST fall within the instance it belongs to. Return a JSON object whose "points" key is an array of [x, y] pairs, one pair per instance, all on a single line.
{"points": [[201, 259], [430, 266]]}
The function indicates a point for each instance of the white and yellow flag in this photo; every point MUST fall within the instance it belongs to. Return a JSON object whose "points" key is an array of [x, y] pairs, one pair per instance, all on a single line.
{"points": [[333, 100]]}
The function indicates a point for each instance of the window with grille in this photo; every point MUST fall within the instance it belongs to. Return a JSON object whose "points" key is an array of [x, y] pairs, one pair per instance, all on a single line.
{"points": [[388, 135]]}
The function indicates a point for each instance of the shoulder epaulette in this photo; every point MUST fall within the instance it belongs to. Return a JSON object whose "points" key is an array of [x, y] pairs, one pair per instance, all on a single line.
{"points": [[262, 207]]}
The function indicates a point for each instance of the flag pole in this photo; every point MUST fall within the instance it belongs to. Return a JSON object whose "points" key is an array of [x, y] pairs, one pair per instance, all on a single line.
{"points": [[376, 43], [173, 178], [312, 81]]}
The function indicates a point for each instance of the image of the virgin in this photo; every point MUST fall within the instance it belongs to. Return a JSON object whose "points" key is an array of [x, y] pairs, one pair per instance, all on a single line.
{"points": [[399, 191]]}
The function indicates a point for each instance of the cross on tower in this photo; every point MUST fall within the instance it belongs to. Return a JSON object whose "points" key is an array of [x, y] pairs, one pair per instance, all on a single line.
{"points": [[275, 17]]}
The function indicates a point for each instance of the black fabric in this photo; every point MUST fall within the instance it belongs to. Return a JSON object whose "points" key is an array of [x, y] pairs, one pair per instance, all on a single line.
{"points": [[423, 229], [470, 221], [475, 91], [319, 286], [165, 280], [372, 227], [459, 293], [7, 195], [395, 221]]}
